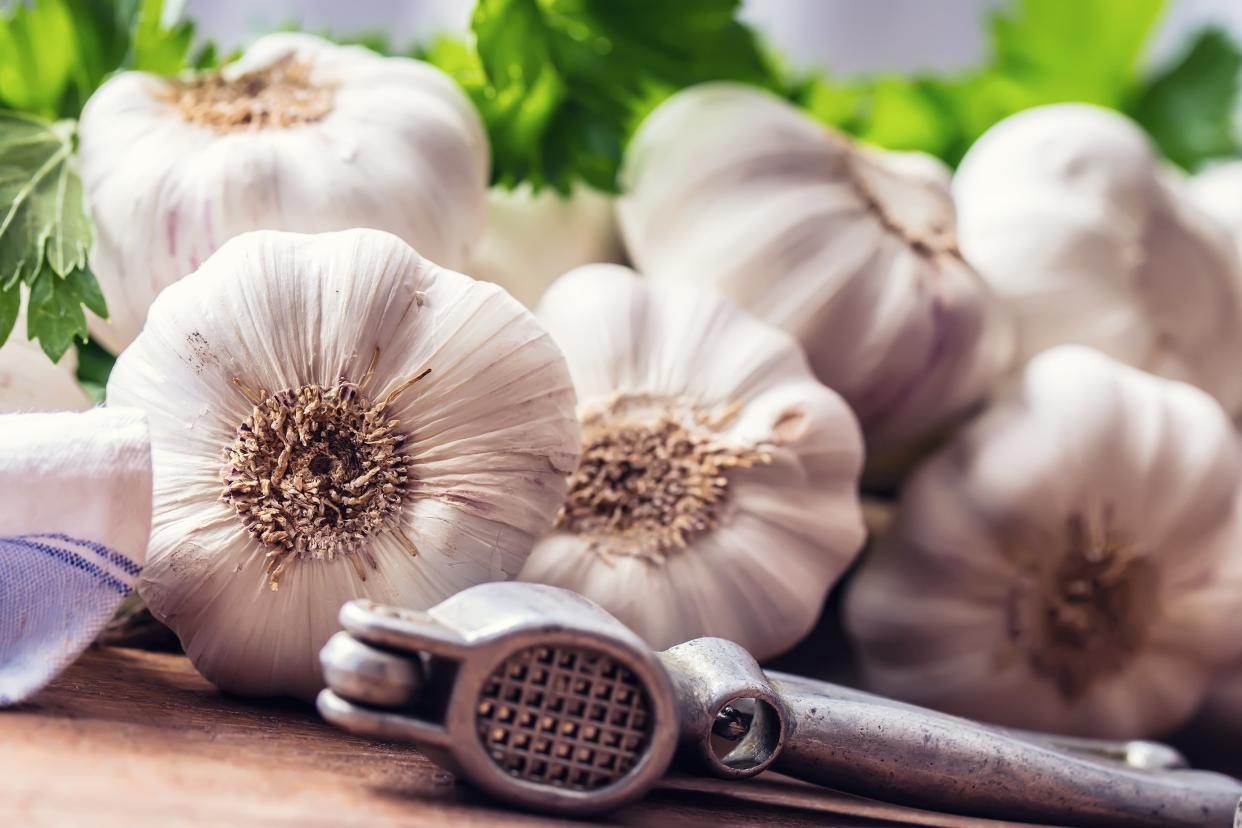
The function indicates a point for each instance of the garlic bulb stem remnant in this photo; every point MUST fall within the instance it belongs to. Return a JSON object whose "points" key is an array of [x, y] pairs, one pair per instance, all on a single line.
{"points": [[1071, 562], [1103, 247], [717, 491], [398, 432], [334, 458], [299, 134], [852, 250]]}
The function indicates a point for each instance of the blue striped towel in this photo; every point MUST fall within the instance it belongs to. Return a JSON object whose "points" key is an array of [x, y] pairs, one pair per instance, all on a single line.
{"points": [[75, 514]]}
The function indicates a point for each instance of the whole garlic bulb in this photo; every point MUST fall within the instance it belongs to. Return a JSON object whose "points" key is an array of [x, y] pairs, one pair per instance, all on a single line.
{"points": [[717, 491], [29, 381], [299, 134], [850, 249], [1071, 562], [1066, 211], [1217, 191], [532, 238], [335, 417]]}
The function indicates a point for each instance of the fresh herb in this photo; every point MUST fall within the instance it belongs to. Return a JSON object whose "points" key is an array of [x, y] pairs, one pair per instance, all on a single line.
{"points": [[561, 84], [1042, 52], [53, 55], [44, 233], [1188, 109]]}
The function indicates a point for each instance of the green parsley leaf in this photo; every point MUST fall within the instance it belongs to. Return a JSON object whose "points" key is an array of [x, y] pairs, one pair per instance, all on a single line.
{"points": [[562, 84], [45, 235], [41, 194], [54, 311], [10, 305], [1188, 108]]}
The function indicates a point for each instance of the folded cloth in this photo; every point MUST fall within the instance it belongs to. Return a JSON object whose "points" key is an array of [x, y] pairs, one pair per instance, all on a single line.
{"points": [[75, 517]]}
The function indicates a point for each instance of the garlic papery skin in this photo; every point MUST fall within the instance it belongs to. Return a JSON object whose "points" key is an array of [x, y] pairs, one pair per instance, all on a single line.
{"points": [[534, 237], [1070, 562], [299, 134], [334, 417], [1089, 240], [717, 492], [29, 381], [1217, 191], [850, 249]]}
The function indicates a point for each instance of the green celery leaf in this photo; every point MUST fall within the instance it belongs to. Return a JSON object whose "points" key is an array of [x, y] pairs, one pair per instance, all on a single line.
{"points": [[54, 312], [1188, 108], [561, 84]]}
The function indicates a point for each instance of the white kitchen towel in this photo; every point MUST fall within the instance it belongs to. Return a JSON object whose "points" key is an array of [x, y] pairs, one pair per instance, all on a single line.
{"points": [[75, 517]]}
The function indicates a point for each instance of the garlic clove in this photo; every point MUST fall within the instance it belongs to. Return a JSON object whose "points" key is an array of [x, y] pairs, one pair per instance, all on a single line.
{"points": [[679, 387], [532, 238], [299, 134], [1215, 191], [851, 250], [326, 328], [1069, 562], [1103, 248]]}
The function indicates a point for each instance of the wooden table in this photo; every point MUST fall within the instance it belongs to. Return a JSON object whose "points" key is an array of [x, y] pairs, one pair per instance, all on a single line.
{"points": [[132, 738]]}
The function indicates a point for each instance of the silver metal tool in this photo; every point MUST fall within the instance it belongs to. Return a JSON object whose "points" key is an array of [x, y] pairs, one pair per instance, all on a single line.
{"points": [[542, 699]]}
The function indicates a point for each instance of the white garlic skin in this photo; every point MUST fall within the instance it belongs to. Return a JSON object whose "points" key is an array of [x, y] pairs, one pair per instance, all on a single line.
{"points": [[491, 428], [850, 249], [1068, 214], [947, 611], [788, 529], [1217, 191], [532, 238], [401, 150]]}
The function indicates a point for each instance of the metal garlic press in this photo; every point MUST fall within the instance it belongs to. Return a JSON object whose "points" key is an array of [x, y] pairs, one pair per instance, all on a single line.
{"points": [[542, 699]]}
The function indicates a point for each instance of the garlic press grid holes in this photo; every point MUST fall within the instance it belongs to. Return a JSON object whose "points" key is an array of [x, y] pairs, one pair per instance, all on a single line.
{"points": [[564, 716]]}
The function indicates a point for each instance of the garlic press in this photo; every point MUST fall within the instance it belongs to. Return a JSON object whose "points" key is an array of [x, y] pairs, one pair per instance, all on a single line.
{"points": [[542, 699]]}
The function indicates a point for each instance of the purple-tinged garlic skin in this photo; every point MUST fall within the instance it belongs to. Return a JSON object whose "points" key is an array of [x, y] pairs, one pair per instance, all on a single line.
{"points": [[717, 493], [1089, 240], [335, 417], [299, 134], [852, 250], [1070, 562]]}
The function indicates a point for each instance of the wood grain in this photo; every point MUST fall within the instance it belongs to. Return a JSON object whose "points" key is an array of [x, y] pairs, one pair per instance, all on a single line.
{"points": [[130, 739]]}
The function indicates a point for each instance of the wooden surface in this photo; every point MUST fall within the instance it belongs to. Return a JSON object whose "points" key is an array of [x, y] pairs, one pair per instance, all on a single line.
{"points": [[131, 738]]}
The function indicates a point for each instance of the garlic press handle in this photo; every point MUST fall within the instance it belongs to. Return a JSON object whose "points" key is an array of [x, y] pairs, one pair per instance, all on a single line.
{"points": [[912, 756], [404, 630]]}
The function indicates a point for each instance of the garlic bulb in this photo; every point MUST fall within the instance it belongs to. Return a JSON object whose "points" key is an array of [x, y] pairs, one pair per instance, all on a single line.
{"points": [[1089, 240], [717, 492], [299, 134], [29, 381], [532, 238], [1217, 191], [335, 417], [1071, 562], [73, 535], [850, 249]]}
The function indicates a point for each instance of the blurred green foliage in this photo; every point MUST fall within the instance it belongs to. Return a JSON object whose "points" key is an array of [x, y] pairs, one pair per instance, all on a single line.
{"points": [[1042, 52]]}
